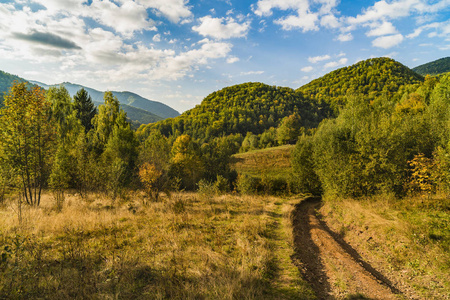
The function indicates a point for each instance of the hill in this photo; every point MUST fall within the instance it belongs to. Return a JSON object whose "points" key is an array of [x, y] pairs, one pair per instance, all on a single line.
{"points": [[125, 98], [371, 78], [6, 81], [133, 106], [248, 107], [436, 67]]}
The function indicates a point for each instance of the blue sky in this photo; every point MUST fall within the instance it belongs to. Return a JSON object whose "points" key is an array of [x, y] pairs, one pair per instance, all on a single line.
{"points": [[179, 51]]}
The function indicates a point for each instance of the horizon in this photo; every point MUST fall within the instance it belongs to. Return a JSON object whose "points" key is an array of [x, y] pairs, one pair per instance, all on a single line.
{"points": [[177, 52]]}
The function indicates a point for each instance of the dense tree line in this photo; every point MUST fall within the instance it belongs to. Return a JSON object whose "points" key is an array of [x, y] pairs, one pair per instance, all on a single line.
{"points": [[241, 109], [372, 78], [381, 146], [436, 67], [49, 140]]}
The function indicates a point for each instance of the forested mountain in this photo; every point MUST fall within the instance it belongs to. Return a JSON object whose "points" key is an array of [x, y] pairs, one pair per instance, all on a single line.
{"points": [[436, 67], [6, 81], [248, 107], [125, 98], [133, 104], [371, 78]]}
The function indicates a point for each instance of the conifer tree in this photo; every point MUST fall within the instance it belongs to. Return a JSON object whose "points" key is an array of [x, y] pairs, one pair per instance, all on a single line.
{"points": [[85, 108]]}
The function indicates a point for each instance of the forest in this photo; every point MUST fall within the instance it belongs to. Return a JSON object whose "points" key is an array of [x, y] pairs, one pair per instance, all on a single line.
{"points": [[374, 129]]}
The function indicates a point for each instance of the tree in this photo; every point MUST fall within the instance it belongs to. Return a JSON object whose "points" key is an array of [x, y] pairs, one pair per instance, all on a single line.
{"points": [[186, 163], [61, 108], [27, 137], [289, 130], [85, 108], [109, 115]]}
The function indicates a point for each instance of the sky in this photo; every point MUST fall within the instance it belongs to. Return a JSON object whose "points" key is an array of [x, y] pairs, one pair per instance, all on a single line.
{"points": [[179, 51]]}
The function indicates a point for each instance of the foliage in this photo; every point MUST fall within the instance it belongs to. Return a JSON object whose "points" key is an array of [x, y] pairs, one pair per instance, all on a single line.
{"points": [[375, 147], [436, 67], [248, 107], [303, 167], [27, 138], [289, 130], [85, 108], [371, 78], [422, 174], [149, 176]]}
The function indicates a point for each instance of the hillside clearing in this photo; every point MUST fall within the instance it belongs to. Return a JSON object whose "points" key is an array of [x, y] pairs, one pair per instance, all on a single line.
{"points": [[188, 247]]}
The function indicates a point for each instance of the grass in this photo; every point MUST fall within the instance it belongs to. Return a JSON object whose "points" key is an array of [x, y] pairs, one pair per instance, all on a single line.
{"points": [[272, 162], [191, 246], [408, 239]]}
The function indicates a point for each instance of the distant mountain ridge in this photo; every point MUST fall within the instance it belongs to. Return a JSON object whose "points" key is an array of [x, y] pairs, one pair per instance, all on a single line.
{"points": [[436, 67], [139, 109], [127, 98]]}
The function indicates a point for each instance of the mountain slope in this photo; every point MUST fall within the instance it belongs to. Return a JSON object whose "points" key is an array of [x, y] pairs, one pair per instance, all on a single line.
{"points": [[125, 98], [136, 115], [436, 67], [248, 107], [6, 81], [372, 78]]}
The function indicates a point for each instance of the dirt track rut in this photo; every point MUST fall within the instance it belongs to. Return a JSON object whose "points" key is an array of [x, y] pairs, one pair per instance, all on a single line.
{"points": [[332, 267]]}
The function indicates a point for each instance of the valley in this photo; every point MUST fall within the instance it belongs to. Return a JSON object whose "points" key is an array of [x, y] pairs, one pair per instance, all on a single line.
{"points": [[222, 201]]}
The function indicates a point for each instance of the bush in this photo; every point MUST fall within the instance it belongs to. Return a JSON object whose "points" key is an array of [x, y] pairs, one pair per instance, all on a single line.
{"points": [[248, 185]]}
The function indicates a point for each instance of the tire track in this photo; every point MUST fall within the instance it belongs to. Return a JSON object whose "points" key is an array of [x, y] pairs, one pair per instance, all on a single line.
{"points": [[333, 268]]}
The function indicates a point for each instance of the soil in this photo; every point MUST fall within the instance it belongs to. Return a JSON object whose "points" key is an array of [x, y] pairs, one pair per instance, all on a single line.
{"points": [[331, 266]]}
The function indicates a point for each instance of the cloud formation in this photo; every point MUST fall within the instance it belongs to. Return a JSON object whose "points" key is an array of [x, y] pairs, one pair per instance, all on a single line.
{"points": [[48, 39], [221, 28]]}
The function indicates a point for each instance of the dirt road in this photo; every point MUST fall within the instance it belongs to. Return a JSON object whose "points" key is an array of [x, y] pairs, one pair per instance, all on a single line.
{"points": [[332, 267]]}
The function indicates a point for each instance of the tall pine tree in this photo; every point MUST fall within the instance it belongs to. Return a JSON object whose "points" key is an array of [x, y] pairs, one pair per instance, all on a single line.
{"points": [[85, 108]]}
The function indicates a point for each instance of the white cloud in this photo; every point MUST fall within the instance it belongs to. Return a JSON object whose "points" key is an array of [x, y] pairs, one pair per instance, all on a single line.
{"points": [[415, 34], [334, 64], [304, 20], [221, 28], [382, 10], [125, 19], [157, 38], [232, 59], [264, 7], [307, 69], [345, 37], [304, 17], [330, 21], [388, 41], [251, 73], [174, 10], [384, 28], [316, 59]]}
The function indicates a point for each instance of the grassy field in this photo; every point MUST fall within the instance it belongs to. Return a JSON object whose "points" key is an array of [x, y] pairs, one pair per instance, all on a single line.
{"points": [[408, 240], [191, 246], [272, 162]]}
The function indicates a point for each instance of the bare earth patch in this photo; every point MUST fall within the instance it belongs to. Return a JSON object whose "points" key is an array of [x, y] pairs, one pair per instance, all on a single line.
{"points": [[332, 267]]}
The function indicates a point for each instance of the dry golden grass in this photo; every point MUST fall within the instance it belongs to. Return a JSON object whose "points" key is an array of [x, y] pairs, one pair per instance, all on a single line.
{"points": [[190, 246], [408, 240]]}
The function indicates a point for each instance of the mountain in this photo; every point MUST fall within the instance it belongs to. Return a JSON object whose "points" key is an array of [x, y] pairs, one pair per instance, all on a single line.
{"points": [[436, 67], [139, 110], [248, 107], [371, 78], [6, 81], [125, 98]]}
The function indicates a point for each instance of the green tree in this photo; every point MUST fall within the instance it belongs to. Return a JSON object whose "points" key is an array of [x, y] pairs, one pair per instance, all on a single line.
{"points": [[85, 108], [289, 130], [27, 138], [185, 161], [109, 115]]}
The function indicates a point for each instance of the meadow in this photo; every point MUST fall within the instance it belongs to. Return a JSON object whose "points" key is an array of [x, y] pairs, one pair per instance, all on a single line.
{"points": [[190, 246]]}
